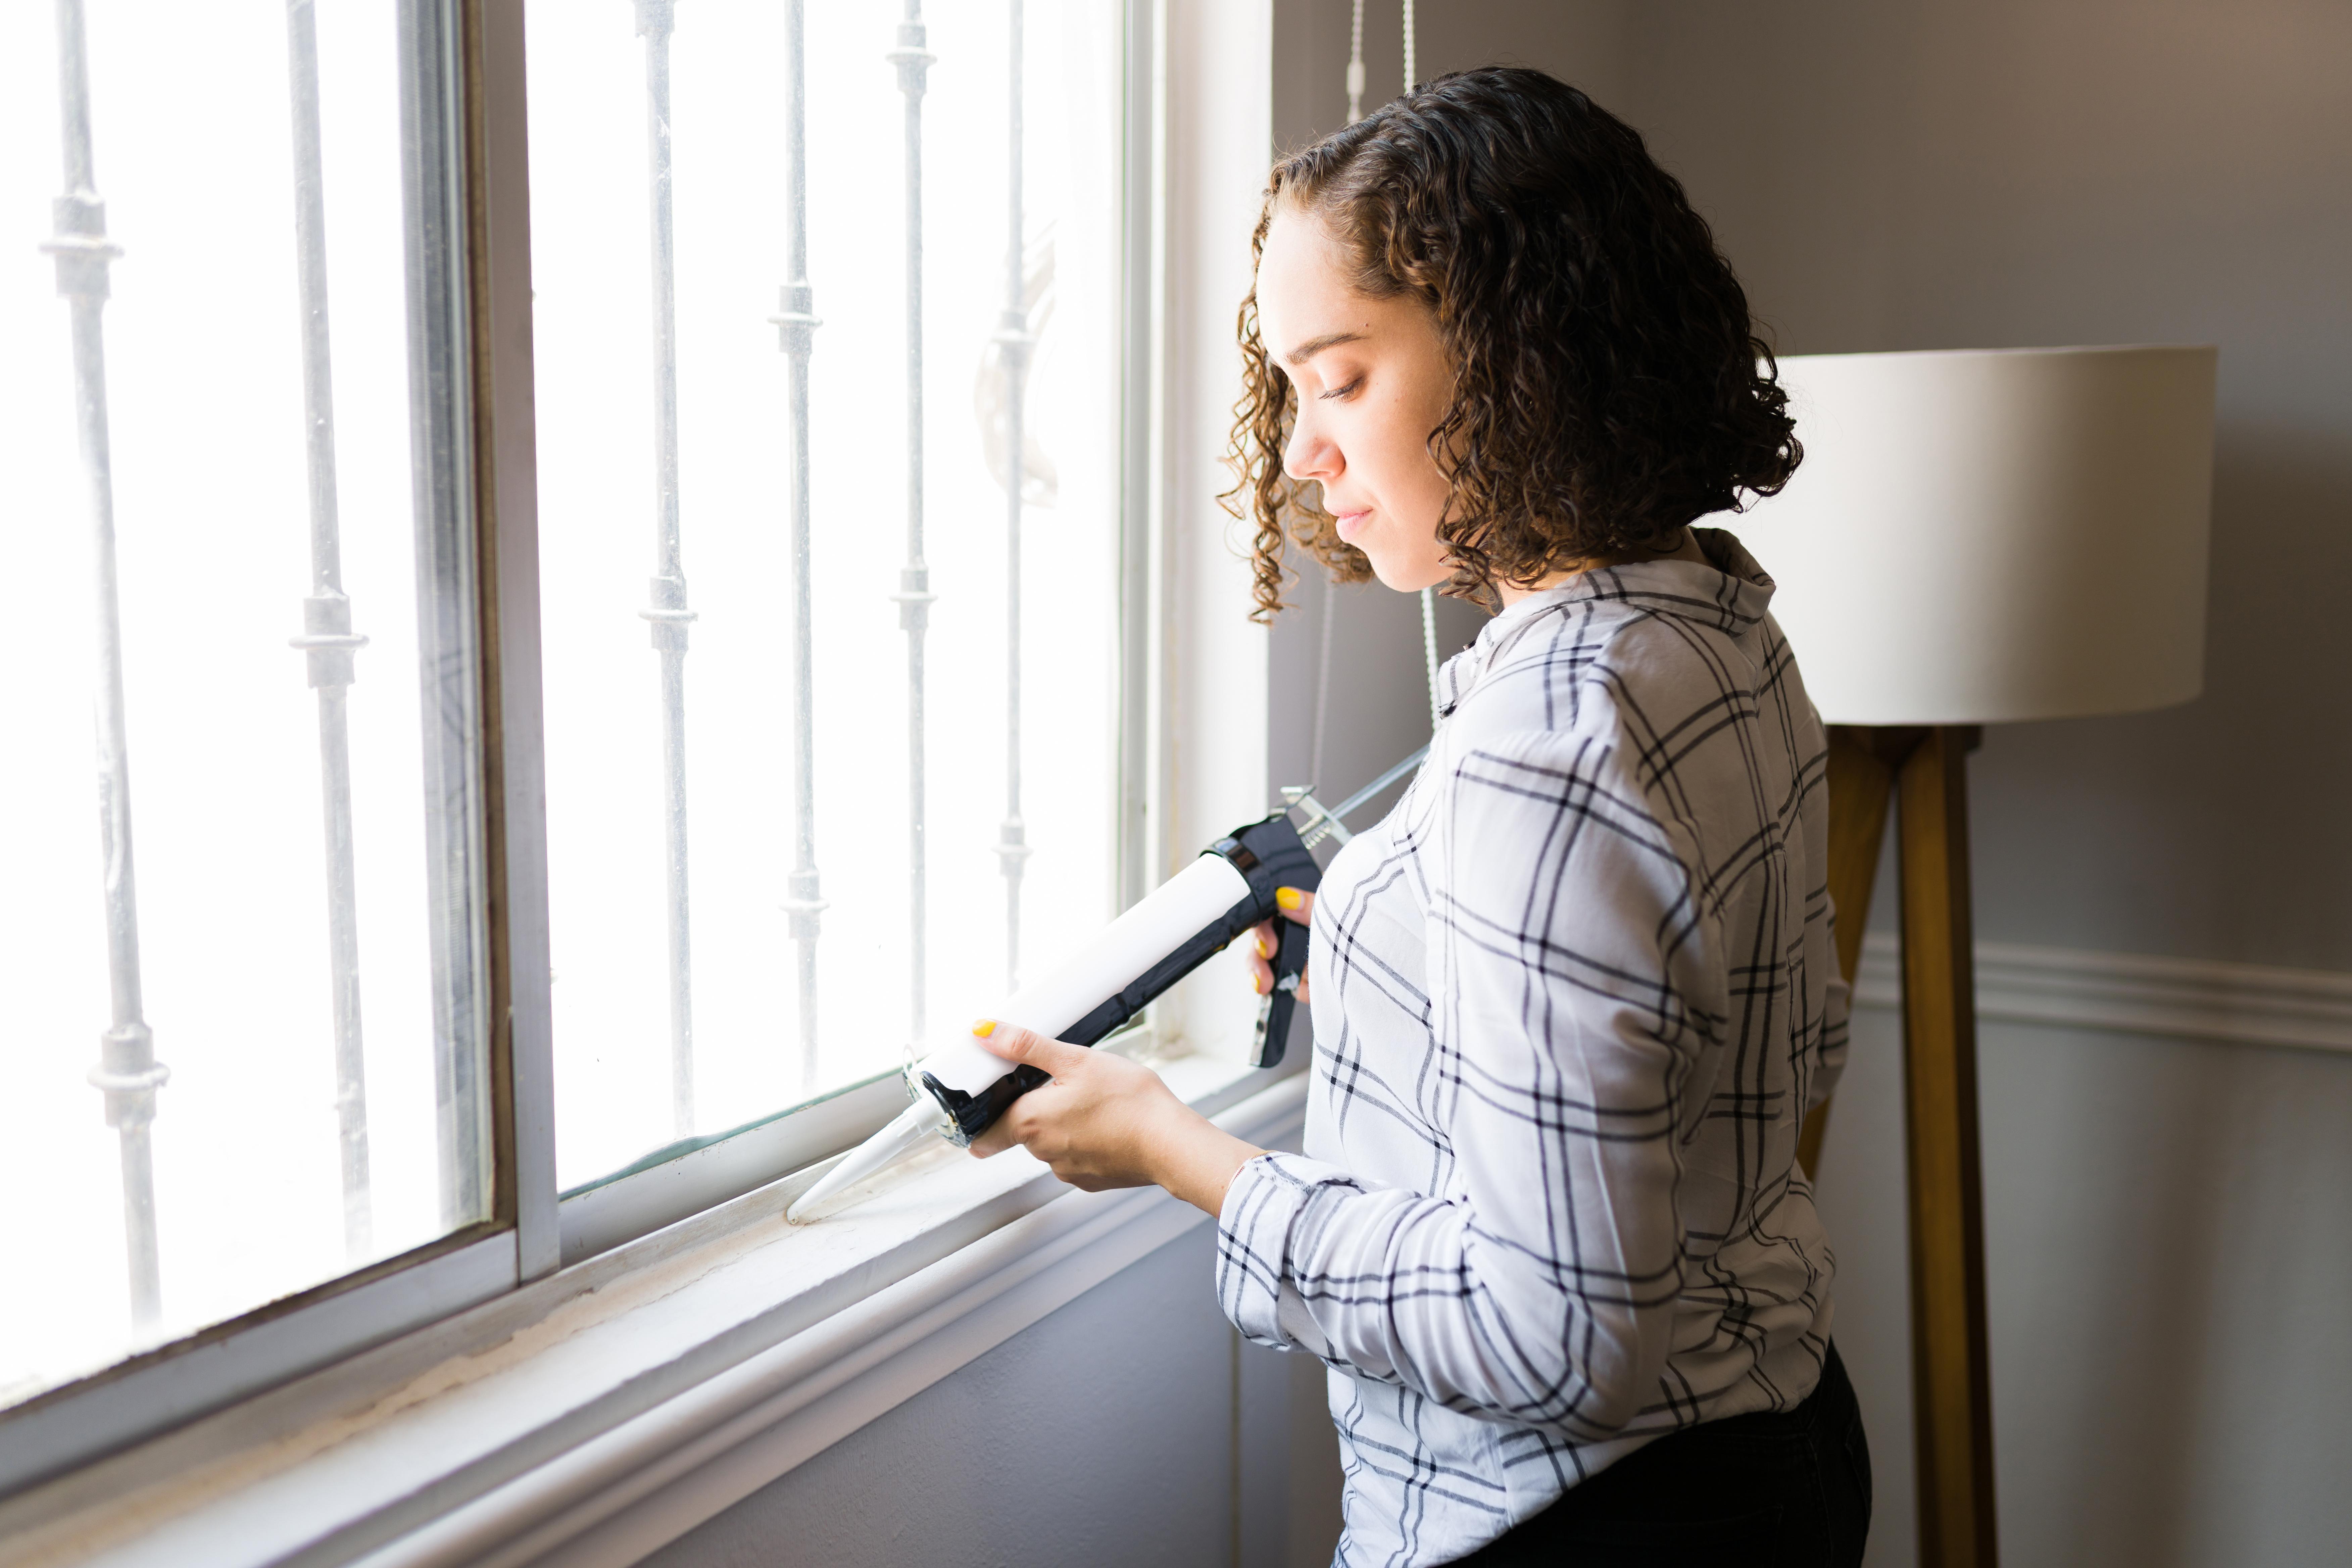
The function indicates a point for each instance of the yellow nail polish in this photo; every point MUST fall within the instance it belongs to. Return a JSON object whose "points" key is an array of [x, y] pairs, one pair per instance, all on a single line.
{"points": [[1290, 898], [985, 1028], [1265, 948]]}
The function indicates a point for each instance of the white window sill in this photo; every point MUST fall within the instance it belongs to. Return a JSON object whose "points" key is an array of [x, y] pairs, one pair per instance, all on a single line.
{"points": [[589, 1417]]}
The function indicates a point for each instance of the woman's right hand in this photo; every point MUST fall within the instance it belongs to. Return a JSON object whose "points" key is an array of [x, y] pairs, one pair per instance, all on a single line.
{"points": [[1297, 904]]}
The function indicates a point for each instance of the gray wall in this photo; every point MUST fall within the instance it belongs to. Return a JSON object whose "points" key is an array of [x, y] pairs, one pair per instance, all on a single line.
{"points": [[1132, 1426], [1892, 176], [1897, 174], [2168, 1249], [2167, 1263]]}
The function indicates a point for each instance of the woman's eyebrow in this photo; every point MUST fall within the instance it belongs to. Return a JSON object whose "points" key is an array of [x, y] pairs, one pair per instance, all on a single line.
{"points": [[1313, 346]]}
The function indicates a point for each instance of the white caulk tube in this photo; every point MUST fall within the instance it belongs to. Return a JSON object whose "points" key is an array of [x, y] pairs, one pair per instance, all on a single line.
{"points": [[962, 1087], [1155, 926]]}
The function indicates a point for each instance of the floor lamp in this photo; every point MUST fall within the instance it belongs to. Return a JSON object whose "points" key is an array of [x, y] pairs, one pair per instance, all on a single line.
{"points": [[1973, 538]]}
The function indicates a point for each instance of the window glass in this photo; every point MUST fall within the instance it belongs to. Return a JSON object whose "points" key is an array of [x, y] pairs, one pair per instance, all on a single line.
{"points": [[242, 1050], [740, 920]]}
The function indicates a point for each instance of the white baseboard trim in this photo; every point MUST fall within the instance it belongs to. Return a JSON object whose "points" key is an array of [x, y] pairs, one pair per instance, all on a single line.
{"points": [[613, 1499], [2180, 998]]}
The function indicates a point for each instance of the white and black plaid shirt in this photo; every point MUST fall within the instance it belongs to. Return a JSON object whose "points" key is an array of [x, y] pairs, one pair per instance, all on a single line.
{"points": [[1571, 1000]]}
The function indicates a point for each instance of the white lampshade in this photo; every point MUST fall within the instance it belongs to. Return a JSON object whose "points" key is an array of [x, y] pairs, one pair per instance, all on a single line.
{"points": [[1976, 537]]}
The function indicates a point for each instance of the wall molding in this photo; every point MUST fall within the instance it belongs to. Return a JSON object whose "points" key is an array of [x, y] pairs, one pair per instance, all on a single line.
{"points": [[2134, 993]]}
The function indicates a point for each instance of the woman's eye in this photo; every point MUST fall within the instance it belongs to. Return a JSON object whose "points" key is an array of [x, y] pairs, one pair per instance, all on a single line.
{"points": [[1346, 390]]}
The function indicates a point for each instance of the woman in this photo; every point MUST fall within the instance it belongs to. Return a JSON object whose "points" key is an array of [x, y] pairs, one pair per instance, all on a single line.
{"points": [[1573, 997]]}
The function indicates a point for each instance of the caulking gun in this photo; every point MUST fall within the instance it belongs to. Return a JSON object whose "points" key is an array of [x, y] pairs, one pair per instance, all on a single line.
{"points": [[962, 1089]]}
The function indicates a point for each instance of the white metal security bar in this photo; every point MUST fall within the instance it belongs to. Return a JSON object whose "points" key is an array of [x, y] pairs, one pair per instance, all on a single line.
{"points": [[667, 609], [796, 326], [1014, 343], [914, 595], [328, 641], [127, 1073]]}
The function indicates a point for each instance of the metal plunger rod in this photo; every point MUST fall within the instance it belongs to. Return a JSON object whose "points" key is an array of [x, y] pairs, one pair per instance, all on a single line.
{"points": [[1014, 343], [127, 1071], [914, 595], [327, 641], [796, 326], [666, 610]]}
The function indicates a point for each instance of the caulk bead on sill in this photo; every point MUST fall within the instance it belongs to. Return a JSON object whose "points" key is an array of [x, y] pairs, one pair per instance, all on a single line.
{"points": [[1290, 898], [985, 1028]]}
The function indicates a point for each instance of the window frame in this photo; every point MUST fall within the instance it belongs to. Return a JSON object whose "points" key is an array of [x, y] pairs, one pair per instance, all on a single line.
{"points": [[464, 102]]}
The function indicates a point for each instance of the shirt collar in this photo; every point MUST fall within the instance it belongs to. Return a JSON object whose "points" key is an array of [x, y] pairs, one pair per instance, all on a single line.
{"points": [[1729, 592]]}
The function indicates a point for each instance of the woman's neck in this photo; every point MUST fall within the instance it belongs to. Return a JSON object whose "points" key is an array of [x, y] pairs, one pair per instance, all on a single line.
{"points": [[1685, 549]]}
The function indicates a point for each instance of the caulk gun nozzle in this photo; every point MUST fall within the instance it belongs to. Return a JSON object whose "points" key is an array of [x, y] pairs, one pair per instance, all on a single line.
{"points": [[910, 1130]]}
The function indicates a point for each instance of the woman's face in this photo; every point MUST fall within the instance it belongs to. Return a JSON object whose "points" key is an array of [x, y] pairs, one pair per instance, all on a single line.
{"points": [[1373, 383]]}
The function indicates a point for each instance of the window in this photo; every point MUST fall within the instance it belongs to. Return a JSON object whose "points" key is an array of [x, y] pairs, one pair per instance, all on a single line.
{"points": [[245, 1018], [829, 657], [821, 762]]}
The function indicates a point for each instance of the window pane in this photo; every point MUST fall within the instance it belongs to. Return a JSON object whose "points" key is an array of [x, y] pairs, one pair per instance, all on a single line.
{"points": [[295, 940], [681, 1004]]}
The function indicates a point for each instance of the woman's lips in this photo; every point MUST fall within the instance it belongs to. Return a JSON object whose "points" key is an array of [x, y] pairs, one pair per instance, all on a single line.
{"points": [[1348, 523]]}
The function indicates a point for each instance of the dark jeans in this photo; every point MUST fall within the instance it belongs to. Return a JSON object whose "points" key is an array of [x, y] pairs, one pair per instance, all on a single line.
{"points": [[1774, 1490]]}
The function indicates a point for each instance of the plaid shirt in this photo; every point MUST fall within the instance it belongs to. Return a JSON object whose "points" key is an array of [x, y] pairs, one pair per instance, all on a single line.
{"points": [[1571, 1000]]}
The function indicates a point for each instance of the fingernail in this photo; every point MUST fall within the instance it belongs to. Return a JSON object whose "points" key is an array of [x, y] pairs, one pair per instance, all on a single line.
{"points": [[1265, 948], [985, 1028], [1254, 990], [1290, 898]]}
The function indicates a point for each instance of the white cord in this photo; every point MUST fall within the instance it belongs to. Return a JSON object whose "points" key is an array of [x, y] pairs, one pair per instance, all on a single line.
{"points": [[1410, 76], [1429, 646], [1356, 66]]}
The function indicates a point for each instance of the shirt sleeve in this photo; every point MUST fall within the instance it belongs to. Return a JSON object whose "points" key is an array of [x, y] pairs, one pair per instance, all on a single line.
{"points": [[1575, 985]]}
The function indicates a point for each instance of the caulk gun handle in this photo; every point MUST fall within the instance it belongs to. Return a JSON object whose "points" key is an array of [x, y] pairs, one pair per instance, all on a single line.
{"points": [[1289, 973]]}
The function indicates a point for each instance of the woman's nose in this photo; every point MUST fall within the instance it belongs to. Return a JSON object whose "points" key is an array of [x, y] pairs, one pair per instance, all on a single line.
{"points": [[1310, 455]]}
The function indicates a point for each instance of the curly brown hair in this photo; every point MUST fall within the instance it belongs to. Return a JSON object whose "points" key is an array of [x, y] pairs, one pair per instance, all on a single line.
{"points": [[1608, 385]]}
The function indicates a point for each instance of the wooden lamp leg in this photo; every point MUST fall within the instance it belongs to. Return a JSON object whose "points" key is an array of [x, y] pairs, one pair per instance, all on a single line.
{"points": [[1924, 771], [1951, 1369]]}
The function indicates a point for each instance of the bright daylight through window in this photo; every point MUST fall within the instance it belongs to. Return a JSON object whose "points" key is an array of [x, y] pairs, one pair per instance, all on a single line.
{"points": [[241, 955], [831, 727], [828, 382]]}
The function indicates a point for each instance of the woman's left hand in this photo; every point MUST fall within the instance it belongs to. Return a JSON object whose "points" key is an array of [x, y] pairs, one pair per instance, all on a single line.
{"points": [[1106, 1122]]}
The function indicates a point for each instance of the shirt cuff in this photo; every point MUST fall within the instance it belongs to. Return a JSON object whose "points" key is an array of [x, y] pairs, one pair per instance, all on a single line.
{"points": [[1256, 1230]]}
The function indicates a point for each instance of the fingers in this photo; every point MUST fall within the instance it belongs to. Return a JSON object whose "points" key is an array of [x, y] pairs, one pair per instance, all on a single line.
{"points": [[1016, 1044], [1296, 904], [1263, 944]]}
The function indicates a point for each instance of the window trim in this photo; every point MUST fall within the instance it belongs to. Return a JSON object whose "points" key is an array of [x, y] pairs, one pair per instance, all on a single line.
{"points": [[480, 466]]}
